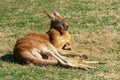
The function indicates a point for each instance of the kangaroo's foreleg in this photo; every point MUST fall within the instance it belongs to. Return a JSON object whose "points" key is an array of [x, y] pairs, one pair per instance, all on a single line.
{"points": [[71, 53]]}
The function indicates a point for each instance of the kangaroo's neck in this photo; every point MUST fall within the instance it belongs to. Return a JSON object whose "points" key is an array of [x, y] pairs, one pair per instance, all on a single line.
{"points": [[61, 31]]}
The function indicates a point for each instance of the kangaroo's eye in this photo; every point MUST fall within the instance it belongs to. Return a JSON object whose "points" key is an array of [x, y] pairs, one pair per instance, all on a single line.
{"points": [[57, 21]]}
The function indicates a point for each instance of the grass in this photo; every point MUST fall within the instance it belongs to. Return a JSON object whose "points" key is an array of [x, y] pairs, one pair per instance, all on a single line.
{"points": [[94, 28]]}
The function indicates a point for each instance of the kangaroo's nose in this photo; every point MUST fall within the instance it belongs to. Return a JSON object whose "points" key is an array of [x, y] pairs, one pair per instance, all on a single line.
{"points": [[66, 27]]}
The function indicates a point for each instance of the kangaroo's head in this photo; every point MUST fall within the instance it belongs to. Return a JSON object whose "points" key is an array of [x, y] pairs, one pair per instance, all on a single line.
{"points": [[57, 22]]}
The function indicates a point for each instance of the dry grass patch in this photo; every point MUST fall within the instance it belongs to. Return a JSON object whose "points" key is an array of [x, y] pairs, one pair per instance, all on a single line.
{"points": [[95, 43]]}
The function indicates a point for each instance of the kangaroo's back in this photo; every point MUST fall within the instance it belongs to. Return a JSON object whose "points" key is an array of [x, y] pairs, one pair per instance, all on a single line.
{"points": [[29, 43]]}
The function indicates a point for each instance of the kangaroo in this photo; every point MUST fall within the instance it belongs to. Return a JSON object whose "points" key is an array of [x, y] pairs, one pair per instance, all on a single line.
{"points": [[51, 48]]}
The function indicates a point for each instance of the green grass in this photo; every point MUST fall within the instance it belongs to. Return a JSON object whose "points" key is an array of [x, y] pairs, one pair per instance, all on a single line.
{"points": [[94, 27]]}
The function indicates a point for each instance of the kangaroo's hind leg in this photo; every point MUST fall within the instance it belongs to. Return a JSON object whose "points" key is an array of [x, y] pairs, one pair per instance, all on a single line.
{"points": [[36, 58]]}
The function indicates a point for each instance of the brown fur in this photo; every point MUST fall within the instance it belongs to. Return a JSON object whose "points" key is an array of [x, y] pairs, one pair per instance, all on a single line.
{"points": [[49, 48]]}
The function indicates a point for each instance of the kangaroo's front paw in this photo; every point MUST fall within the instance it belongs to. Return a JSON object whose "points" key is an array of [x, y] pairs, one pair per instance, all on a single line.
{"points": [[67, 46]]}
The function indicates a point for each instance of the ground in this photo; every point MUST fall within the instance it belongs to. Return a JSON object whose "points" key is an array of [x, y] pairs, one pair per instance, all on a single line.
{"points": [[94, 28]]}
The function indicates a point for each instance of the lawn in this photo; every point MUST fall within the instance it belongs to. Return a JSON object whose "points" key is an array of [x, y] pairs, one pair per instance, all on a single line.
{"points": [[94, 28]]}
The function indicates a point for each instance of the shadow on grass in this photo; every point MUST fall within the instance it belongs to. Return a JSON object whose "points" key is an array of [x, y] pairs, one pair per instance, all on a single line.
{"points": [[9, 58]]}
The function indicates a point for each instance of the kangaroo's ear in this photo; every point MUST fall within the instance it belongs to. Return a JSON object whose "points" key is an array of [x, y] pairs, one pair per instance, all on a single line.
{"points": [[56, 14], [52, 16]]}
